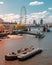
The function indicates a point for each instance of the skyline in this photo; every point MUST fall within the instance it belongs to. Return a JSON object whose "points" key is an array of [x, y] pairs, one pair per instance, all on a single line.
{"points": [[36, 9]]}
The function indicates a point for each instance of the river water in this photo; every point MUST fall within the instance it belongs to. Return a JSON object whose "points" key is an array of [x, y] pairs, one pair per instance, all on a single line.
{"points": [[13, 44]]}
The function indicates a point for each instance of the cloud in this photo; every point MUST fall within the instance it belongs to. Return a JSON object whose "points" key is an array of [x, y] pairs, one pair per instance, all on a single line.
{"points": [[1, 2], [49, 8], [36, 16], [36, 3], [50, 16], [49, 19], [29, 18], [9, 17], [39, 15]]}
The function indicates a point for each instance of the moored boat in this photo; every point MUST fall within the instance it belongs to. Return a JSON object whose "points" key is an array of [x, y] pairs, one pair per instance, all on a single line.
{"points": [[28, 53], [3, 34], [23, 54], [11, 56]]}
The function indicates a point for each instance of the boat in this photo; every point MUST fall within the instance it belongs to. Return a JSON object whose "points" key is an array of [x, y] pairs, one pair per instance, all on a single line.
{"points": [[3, 34], [28, 53], [23, 54], [11, 56], [40, 35]]}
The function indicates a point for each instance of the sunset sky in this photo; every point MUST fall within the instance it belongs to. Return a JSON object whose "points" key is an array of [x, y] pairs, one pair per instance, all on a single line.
{"points": [[36, 9]]}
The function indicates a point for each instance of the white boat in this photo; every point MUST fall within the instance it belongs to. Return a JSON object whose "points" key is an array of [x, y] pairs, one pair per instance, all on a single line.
{"points": [[28, 53]]}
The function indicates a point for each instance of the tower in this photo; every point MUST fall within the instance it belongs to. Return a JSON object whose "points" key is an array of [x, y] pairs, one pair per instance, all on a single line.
{"points": [[41, 21]]}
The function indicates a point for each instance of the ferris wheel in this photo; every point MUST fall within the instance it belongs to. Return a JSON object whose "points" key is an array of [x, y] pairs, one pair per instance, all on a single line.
{"points": [[23, 15]]}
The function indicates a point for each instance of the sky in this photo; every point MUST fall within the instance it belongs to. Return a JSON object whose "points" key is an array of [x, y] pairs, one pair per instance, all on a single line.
{"points": [[35, 10]]}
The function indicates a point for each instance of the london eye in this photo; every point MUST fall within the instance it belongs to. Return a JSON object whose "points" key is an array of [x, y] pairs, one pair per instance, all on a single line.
{"points": [[23, 15]]}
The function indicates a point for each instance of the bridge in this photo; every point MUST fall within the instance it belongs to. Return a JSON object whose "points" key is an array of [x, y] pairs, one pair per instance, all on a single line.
{"points": [[40, 35]]}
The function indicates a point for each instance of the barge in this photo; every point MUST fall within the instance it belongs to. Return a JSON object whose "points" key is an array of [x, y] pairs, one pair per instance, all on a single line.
{"points": [[28, 53], [23, 54], [11, 56]]}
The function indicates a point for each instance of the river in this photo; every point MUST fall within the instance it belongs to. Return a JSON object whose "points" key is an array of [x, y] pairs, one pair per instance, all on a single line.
{"points": [[13, 44]]}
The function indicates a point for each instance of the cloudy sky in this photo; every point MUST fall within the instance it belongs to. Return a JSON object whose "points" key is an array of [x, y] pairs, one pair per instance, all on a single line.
{"points": [[36, 9]]}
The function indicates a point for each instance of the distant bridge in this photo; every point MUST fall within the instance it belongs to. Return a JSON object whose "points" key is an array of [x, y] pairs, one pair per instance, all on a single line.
{"points": [[35, 26]]}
